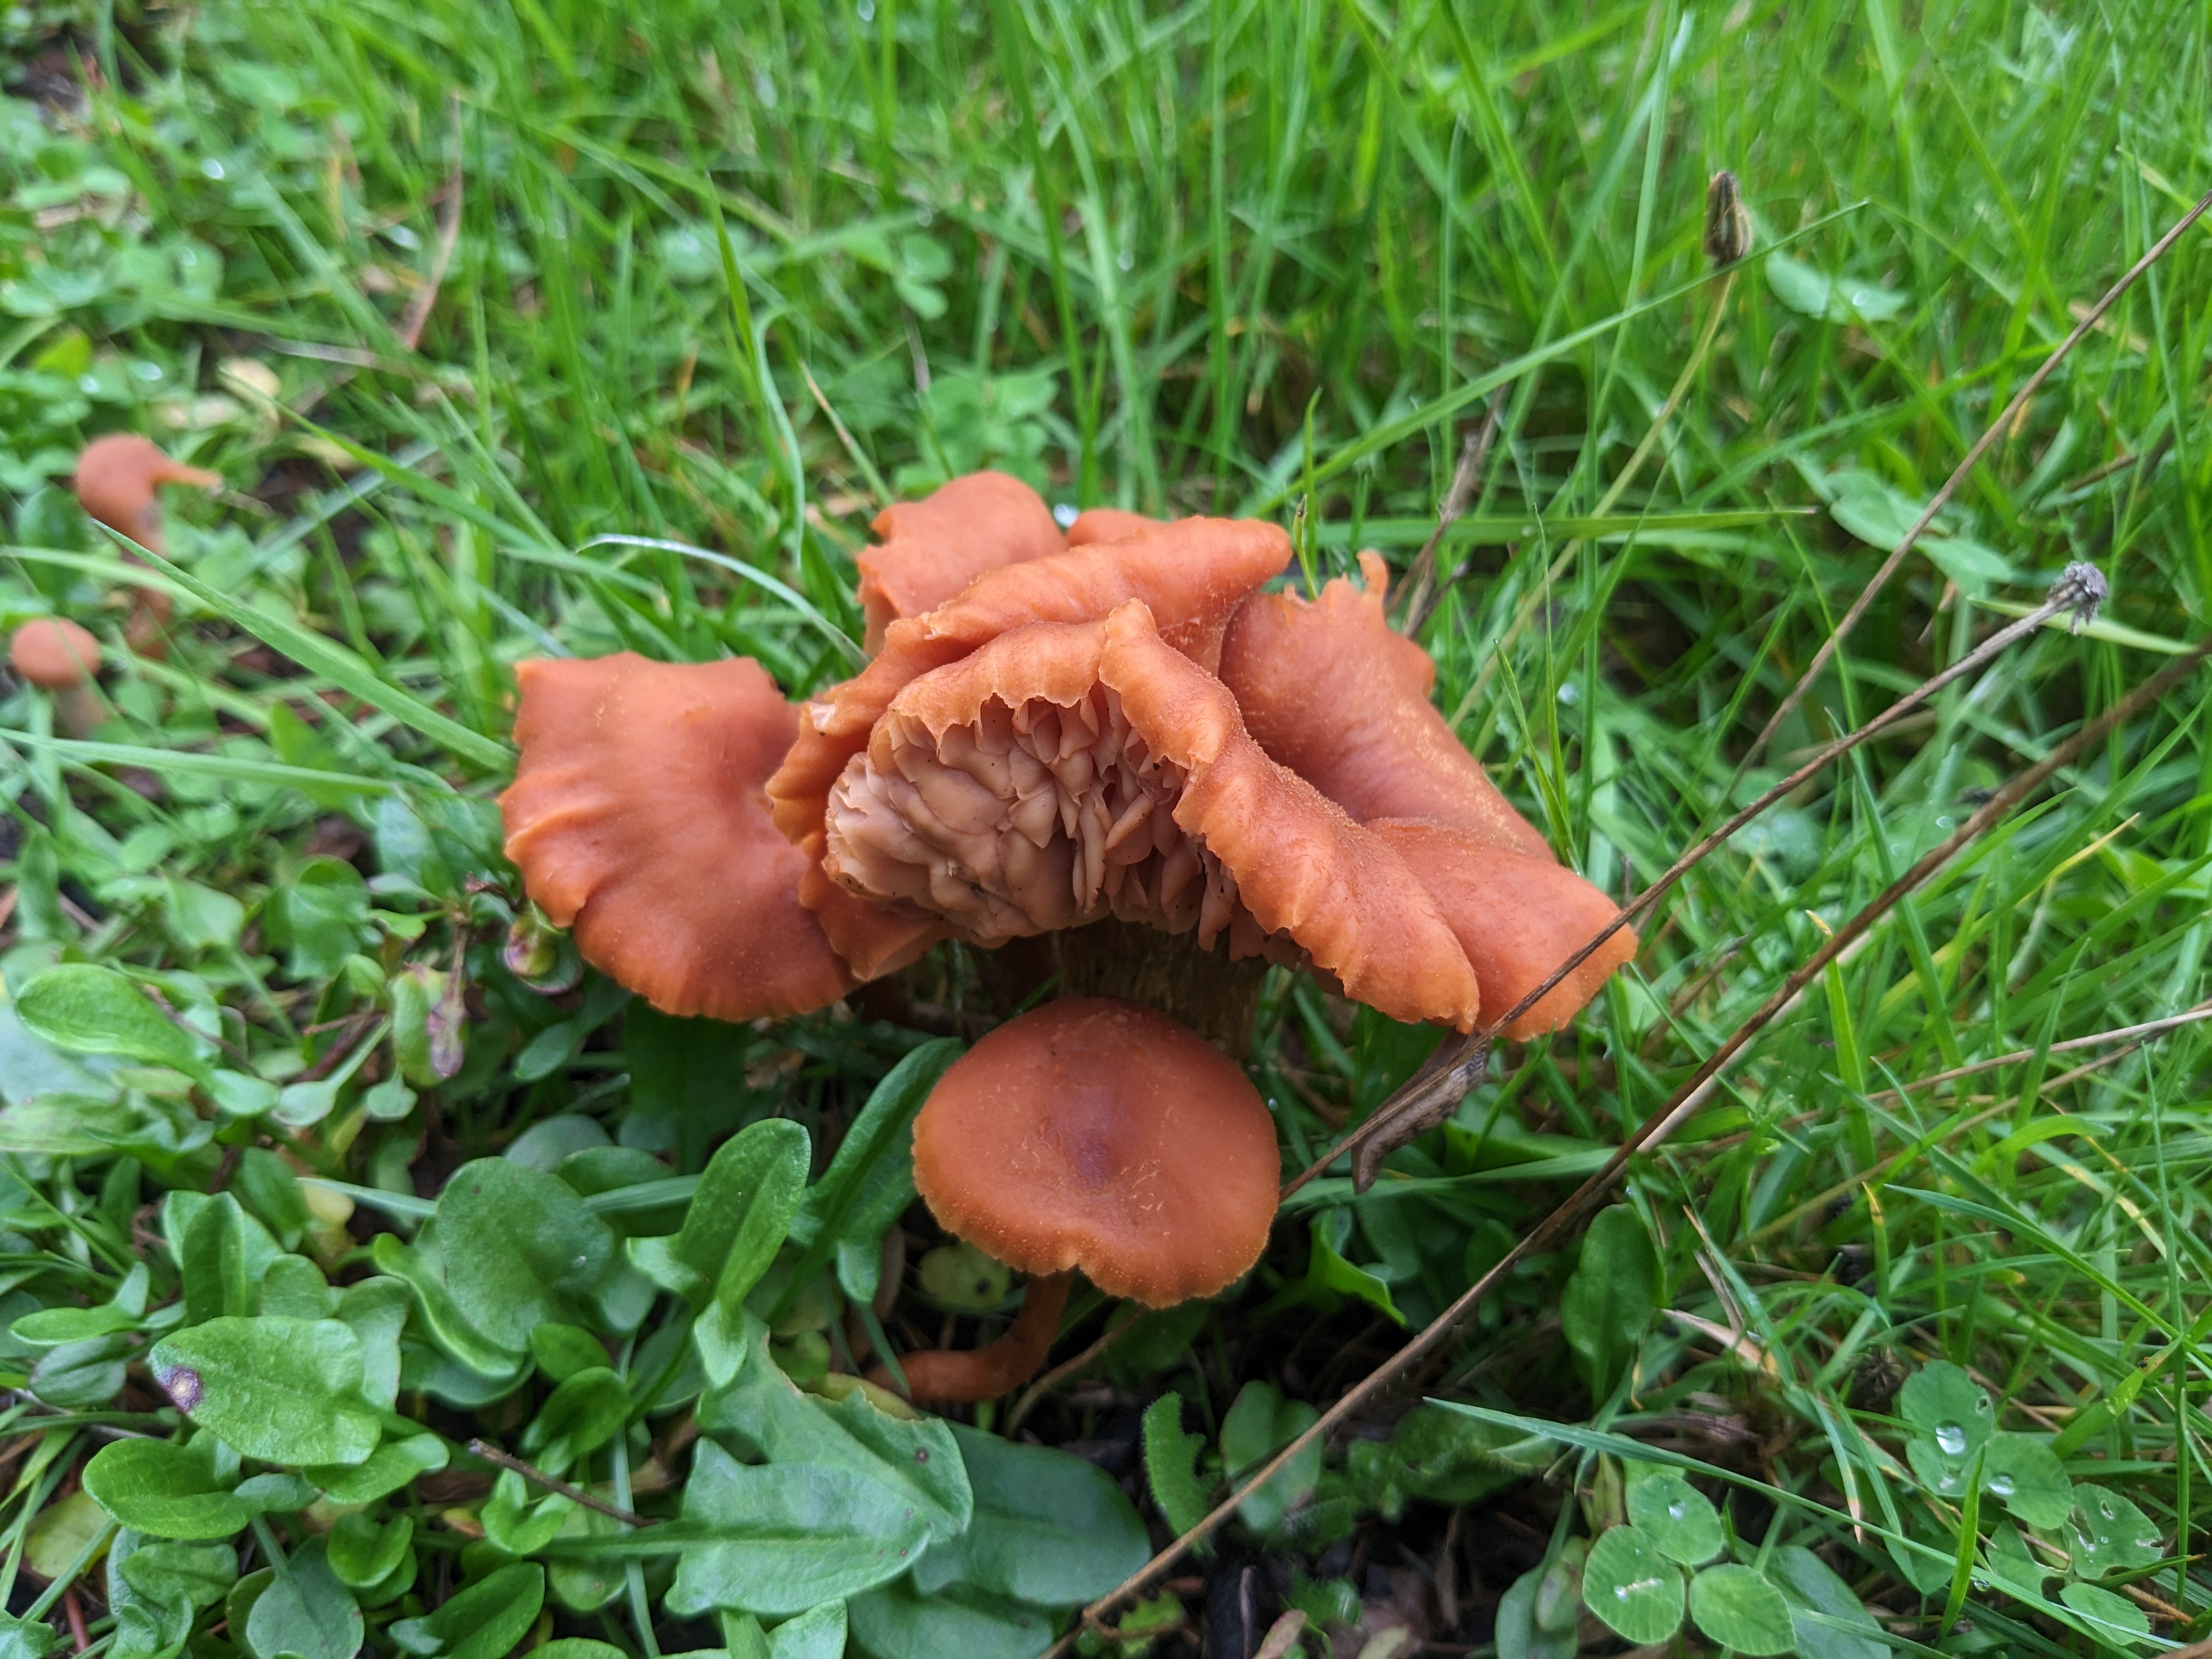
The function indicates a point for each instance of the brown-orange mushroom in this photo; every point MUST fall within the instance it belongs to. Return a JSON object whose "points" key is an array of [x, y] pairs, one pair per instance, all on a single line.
{"points": [[1097, 1136], [636, 816], [58, 655], [1065, 772], [116, 479], [1191, 575], [1330, 690], [929, 550]]}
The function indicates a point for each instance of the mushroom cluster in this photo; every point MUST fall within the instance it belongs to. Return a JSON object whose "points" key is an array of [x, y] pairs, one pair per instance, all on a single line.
{"points": [[1120, 724]]}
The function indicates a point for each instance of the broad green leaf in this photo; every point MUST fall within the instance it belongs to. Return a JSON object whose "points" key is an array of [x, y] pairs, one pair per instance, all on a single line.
{"points": [[2107, 1531], [1258, 1424], [1737, 1608], [562, 1350], [781, 1537], [1610, 1297], [520, 1520], [171, 1574], [484, 1621], [78, 1374], [421, 1269], [2023, 1471], [1328, 1269], [2112, 1617], [915, 1458], [1680, 1520], [737, 1218], [818, 1633], [1517, 1634], [520, 1247], [1809, 1585], [264, 1183], [305, 1611], [1171, 1455], [97, 1010], [389, 1467], [285, 1390], [1049, 1528], [64, 1532], [1634, 1589], [165, 1490], [376, 1309], [579, 1417], [27, 1639], [1948, 1406], [361, 1553], [222, 1253], [899, 1621], [870, 1178]]}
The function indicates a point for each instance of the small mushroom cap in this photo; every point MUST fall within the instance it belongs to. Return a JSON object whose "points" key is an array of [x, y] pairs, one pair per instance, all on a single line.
{"points": [[1096, 1135], [636, 816], [1516, 917], [54, 652], [929, 550], [1332, 691], [116, 477]]}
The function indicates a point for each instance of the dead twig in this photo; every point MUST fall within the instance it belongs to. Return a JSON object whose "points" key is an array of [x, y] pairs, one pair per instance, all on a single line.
{"points": [[417, 315], [1429, 1098], [536, 1476], [1679, 1108], [1997, 428], [1421, 591]]}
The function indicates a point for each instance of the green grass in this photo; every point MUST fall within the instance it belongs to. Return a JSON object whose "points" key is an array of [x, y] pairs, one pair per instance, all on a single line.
{"points": [[725, 278]]}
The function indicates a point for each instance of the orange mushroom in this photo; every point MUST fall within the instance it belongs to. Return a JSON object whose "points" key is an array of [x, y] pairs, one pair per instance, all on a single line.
{"points": [[932, 548], [57, 656], [1108, 524], [1327, 689], [1066, 772], [1191, 575], [637, 817], [116, 478], [1092, 1135]]}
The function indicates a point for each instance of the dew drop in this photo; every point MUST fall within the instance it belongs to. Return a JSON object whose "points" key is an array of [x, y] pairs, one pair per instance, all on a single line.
{"points": [[1678, 1510], [211, 168], [1951, 1439], [2001, 1485]]}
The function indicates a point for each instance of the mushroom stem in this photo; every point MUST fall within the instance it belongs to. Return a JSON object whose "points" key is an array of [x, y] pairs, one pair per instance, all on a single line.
{"points": [[1204, 990], [996, 1368]]}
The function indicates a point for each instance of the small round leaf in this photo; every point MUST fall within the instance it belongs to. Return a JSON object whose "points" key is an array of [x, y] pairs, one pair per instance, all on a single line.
{"points": [[1737, 1608], [1948, 1406], [1634, 1589], [1680, 1520], [2023, 1471], [2107, 1531], [2112, 1617]]}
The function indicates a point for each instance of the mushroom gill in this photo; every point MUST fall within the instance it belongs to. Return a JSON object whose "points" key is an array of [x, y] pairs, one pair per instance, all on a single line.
{"points": [[1191, 575], [1064, 773], [636, 816], [929, 550]]}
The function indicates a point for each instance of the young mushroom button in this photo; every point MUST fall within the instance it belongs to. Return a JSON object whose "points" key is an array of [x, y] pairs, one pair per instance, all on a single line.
{"points": [[1096, 1136], [57, 656]]}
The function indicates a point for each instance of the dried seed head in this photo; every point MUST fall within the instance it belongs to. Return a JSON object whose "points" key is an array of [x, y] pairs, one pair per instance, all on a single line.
{"points": [[2083, 588], [1728, 222]]}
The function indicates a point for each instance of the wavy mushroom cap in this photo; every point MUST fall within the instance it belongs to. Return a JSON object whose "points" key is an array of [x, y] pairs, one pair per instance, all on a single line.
{"points": [[1332, 691], [636, 816], [1064, 773], [1191, 575], [54, 652], [1108, 524], [929, 550], [1096, 1135], [1516, 917], [116, 477]]}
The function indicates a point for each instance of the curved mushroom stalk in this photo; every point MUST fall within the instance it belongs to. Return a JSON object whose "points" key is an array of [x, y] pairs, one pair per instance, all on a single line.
{"points": [[116, 478], [1000, 1367]]}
